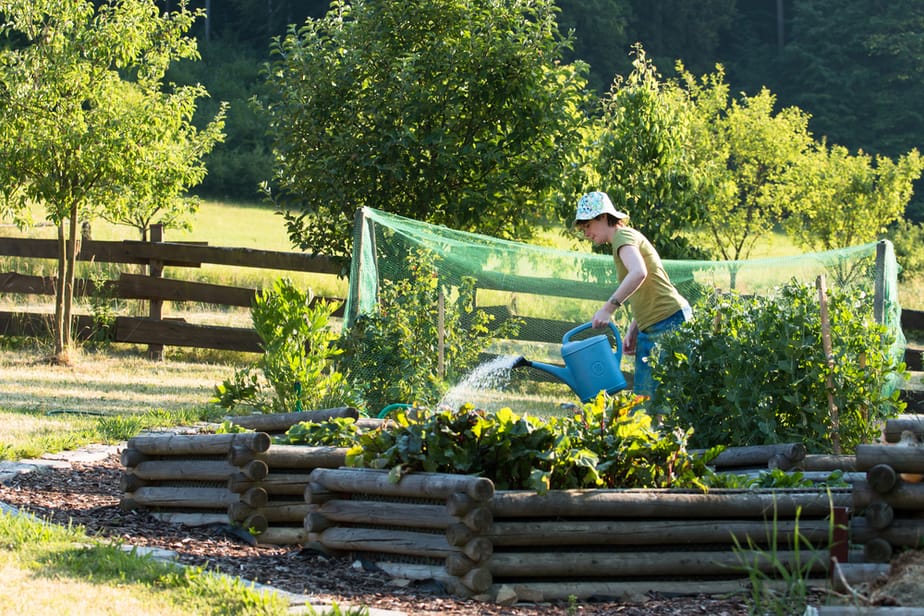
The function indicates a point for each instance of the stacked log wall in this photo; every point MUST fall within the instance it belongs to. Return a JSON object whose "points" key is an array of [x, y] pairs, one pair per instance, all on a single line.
{"points": [[426, 526], [889, 503], [183, 478], [569, 542]]}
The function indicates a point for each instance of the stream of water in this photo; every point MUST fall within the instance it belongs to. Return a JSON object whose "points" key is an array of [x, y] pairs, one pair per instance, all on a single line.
{"points": [[491, 375]]}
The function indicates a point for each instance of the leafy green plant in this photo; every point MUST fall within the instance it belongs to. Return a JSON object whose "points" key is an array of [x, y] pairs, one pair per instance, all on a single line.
{"points": [[335, 432], [297, 367], [611, 443], [393, 355], [752, 371], [776, 478]]}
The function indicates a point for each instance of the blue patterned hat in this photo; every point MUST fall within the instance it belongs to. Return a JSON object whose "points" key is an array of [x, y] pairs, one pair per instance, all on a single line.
{"points": [[595, 203]]}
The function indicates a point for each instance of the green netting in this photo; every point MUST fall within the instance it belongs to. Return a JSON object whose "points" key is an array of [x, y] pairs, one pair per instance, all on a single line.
{"points": [[556, 290]]}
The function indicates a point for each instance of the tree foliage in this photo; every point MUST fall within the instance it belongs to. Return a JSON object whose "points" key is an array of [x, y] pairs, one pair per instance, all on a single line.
{"points": [[639, 156], [88, 126], [845, 200], [451, 111], [746, 148]]}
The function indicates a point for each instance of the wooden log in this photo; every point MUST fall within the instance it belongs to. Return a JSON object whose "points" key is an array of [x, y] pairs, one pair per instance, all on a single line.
{"points": [[317, 522], [129, 482], [419, 485], [879, 514], [902, 532], [667, 504], [274, 511], [640, 591], [417, 571], [828, 462], [882, 478], [283, 535], [478, 580], [303, 457], [479, 519], [197, 444], [197, 470], [255, 497], [458, 534], [460, 503], [275, 484], [902, 459], [390, 541], [573, 563], [758, 455], [253, 523], [847, 575], [904, 496], [316, 494], [191, 519], [892, 431], [457, 563], [180, 498], [280, 422], [877, 550], [131, 457], [656, 532], [407, 515], [479, 549]]}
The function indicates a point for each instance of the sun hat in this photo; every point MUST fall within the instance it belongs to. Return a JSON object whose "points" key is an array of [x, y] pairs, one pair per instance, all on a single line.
{"points": [[595, 203]]}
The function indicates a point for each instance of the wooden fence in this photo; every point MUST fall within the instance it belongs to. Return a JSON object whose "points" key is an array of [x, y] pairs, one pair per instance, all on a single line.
{"points": [[156, 331], [153, 330]]}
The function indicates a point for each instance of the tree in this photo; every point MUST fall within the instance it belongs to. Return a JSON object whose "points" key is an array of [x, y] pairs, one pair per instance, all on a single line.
{"points": [[455, 112], [846, 200], [639, 155], [87, 122], [747, 148]]}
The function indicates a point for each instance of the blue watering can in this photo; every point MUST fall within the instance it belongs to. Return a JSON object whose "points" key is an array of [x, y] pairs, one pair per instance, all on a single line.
{"points": [[591, 364]]}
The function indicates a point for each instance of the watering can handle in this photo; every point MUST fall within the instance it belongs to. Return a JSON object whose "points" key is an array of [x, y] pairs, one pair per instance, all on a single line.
{"points": [[567, 337]]}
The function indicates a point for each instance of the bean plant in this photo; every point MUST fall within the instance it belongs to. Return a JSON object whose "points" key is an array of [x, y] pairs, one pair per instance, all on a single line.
{"points": [[393, 355], [752, 370]]}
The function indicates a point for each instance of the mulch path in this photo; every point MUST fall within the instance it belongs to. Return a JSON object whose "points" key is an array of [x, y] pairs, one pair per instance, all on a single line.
{"points": [[87, 494]]}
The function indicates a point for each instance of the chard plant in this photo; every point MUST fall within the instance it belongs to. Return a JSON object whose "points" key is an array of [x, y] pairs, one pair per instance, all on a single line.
{"points": [[611, 443]]}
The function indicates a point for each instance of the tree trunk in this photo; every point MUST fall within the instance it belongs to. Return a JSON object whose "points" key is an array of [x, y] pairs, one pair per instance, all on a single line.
{"points": [[59, 296], [66, 337]]}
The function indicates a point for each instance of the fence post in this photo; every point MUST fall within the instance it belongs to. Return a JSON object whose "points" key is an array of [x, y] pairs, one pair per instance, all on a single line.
{"points": [[156, 307]]}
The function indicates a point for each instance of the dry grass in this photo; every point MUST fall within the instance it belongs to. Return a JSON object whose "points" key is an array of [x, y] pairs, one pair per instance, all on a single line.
{"points": [[109, 383]]}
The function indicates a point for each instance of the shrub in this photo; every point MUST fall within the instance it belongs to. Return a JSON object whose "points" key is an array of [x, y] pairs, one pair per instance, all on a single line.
{"points": [[752, 371], [297, 369]]}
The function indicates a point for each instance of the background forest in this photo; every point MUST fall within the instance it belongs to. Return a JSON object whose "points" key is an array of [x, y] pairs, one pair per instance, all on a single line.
{"points": [[855, 66]]}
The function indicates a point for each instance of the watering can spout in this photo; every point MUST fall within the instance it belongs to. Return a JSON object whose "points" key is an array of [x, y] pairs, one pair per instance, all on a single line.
{"points": [[561, 373]]}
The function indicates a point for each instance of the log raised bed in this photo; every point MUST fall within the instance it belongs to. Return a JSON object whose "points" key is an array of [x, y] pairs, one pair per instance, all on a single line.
{"points": [[481, 542]]}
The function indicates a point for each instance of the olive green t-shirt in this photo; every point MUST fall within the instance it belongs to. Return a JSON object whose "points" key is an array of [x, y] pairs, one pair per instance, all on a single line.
{"points": [[657, 298]]}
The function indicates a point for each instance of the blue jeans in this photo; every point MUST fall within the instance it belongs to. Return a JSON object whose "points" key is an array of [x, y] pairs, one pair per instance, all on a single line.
{"points": [[644, 383]]}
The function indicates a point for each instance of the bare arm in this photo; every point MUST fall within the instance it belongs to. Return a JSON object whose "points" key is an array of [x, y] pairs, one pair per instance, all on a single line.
{"points": [[635, 276]]}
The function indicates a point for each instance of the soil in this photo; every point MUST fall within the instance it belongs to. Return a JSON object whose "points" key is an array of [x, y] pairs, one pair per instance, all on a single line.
{"points": [[87, 494]]}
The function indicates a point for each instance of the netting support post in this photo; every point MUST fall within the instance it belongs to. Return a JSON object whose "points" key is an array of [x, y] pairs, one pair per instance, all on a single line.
{"points": [[441, 334], [356, 273], [879, 293]]}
